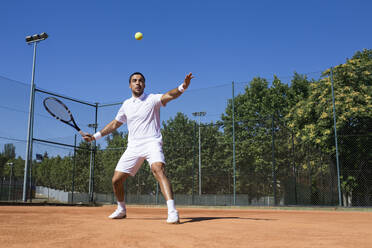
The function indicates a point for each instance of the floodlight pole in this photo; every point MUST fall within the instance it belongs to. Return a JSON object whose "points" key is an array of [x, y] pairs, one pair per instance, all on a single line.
{"points": [[28, 159], [233, 136], [199, 114], [30, 127]]}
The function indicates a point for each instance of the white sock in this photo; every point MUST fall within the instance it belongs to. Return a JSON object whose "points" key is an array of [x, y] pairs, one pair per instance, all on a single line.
{"points": [[171, 207], [121, 205]]}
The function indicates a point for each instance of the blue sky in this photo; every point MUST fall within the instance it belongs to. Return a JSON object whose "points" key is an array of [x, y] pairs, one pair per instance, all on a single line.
{"points": [[91, 50]]}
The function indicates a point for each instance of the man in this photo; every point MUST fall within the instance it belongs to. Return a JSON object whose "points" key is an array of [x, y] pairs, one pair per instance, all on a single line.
{"points": [[141, 112]]}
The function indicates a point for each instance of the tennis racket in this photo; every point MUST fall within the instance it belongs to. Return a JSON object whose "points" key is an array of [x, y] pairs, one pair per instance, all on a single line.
{"points": [[59, 110]]}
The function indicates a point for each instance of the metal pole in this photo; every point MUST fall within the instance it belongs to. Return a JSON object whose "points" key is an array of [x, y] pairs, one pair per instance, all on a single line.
{"points": [[94, 151], [294, 169], [90, 193], [73, 173], [199, 114], [309, 167], [30, 125], [92, 160], [233, 136], [193, 165], [336, 142], [273, 157], [10, 180], [199, 159], [31, 144], [30, 177]]}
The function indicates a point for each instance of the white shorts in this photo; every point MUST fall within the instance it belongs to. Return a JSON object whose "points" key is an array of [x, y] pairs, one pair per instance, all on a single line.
{"points": [[134, 156]]}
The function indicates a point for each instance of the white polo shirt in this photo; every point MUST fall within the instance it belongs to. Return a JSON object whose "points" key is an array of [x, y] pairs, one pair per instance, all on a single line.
{"points": [[142, 116]]}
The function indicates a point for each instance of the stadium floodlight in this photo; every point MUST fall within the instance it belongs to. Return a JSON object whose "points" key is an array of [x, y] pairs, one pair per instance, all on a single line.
{"points": [[36, 37], [200, 114], [28, 159], [44, 35]]}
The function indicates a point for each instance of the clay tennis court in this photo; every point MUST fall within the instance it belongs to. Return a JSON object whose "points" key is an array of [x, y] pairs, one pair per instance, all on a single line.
{"points": [[57, 226]]}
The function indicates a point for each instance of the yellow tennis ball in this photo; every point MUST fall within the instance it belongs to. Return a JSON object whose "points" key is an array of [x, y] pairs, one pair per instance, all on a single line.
{"points": [[138, 36]]}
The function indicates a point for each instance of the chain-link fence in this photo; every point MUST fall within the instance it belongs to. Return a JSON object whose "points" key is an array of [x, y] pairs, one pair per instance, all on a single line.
{"points": [[14, 112], [257, 143]]}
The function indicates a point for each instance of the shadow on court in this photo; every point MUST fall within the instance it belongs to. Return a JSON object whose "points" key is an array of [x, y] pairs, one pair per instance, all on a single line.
{"points": [[198, 219], [185, 220]]}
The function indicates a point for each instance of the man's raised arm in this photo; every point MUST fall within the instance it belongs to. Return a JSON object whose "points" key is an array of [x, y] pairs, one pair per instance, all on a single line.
{"points": [[174, 93]]}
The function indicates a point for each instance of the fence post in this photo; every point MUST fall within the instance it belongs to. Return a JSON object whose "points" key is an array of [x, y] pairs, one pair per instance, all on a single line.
{"points": [[336, 142], [73, 173], [310, 176], [193, 166], [233, 136], [10, 182], [93, 159], [273, 159], [294, 168], [91, 169]]}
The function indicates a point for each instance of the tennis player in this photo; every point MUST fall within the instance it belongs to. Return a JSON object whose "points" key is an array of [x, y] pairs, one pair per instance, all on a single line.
{"points": [[141, 112]]}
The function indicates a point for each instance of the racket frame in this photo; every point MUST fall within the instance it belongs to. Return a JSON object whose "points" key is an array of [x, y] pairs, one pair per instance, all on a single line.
{"points": [[74, 125]]}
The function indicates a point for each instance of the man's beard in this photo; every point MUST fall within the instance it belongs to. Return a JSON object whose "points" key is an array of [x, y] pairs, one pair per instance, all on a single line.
{"points": [[137, 93]]}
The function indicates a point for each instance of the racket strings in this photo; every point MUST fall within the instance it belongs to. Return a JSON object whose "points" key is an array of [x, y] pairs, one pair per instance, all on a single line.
{"points": [[57, 109]]}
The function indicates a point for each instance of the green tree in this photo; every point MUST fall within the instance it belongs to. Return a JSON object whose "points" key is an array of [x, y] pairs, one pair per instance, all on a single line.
{"points": [[82, 167], [312, 118], [259, 114], [107, 159], [9, 151], [3, 161], [216, 169], [178, 133], [181, 153]]}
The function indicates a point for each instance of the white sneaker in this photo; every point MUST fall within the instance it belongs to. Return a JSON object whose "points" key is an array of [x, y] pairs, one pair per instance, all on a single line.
{"points": [[118, 214], [173, 218]]}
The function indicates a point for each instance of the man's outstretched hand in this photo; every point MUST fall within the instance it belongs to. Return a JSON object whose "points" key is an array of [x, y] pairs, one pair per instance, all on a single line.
{"points": [[187, 80], [174, 93], [88, 137]]}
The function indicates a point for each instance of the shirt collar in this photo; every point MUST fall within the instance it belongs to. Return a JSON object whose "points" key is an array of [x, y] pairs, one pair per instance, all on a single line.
{"points": [[140, 98]]}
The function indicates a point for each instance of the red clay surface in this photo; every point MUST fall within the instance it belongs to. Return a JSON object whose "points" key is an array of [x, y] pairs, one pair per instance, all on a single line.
{"points": [[83, 227]]}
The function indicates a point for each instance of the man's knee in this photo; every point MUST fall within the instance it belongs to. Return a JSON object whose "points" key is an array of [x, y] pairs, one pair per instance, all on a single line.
{"points": [[119, 178], [115, 180], [157, 168]]}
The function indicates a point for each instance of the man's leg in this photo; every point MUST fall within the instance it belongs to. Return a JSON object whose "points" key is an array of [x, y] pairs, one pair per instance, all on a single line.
{"points": [[117, 185], [157, 169]]}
